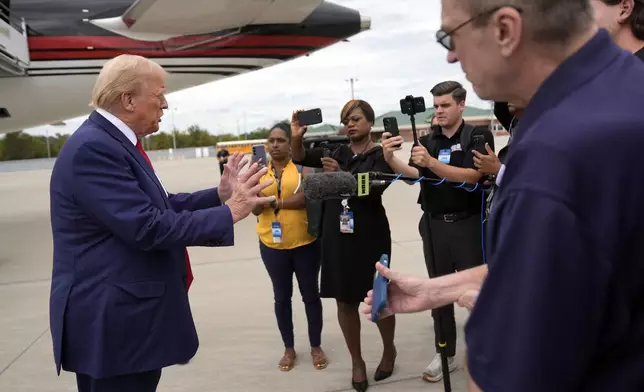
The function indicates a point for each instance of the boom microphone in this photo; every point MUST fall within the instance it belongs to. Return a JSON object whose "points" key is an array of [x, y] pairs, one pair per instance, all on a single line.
{"points": [[333, 185]]}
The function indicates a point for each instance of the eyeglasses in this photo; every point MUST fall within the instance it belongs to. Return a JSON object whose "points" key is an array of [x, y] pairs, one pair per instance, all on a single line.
{"points": [[445, 38]]}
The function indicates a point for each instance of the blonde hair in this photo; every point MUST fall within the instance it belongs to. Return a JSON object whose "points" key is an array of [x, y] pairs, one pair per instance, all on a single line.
{"points": [[123, 74]]}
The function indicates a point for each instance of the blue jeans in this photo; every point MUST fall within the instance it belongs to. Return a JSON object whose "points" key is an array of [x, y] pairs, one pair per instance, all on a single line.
{"points": [[304, 261]]}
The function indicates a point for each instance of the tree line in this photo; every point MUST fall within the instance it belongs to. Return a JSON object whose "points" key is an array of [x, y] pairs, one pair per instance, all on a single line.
{"points": [[20, 145]]}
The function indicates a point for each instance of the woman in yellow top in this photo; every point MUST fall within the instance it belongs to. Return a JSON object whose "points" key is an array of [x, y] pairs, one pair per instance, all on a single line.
{"points": [[286, 247]]}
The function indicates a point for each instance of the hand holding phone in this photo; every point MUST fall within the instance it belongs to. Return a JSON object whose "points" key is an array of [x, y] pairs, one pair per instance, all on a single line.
{"points": [[259, 155], [478, 144], [380, 287], [309, 117], [391, 126]]}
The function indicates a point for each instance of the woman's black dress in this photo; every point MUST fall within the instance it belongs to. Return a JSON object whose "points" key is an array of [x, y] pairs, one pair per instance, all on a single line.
{"points": [[348, 259]]}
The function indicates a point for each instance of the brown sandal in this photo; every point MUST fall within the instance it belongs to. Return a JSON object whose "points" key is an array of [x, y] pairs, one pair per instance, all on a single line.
{"points": [[320, 360], [288, 361]]}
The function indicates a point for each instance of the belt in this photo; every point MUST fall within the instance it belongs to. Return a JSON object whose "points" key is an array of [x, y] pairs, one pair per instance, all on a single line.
{"points": [[451, 218]]}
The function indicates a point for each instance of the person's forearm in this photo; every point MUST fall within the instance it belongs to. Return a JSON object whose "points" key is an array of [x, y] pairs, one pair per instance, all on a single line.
{"points": [[398, 166], [454, 174], [447, 289], [293, 202], [258, 210], [297, 148]]}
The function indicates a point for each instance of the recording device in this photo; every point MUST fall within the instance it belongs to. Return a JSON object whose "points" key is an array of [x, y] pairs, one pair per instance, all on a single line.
{"points": [[380, 286], [478, 144], [309, 117], [337, 185], [341, 185], [411, 105], [327, 141], [259, 154], [391, 126]]}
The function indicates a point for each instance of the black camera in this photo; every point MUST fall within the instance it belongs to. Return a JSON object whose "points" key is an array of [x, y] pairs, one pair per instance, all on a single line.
{"points": [[411, 105]]}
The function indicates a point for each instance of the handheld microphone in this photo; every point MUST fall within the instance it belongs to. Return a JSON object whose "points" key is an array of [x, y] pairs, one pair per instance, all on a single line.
{"points": [[334, 185]]}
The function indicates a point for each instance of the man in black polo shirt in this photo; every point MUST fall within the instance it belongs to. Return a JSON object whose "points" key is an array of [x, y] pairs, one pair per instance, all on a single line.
{"points": [[624, 20], [455, 214]]}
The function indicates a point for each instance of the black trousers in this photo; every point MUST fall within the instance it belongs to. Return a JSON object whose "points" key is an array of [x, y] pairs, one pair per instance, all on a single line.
{"points": [[456, 246], [138, 382]]}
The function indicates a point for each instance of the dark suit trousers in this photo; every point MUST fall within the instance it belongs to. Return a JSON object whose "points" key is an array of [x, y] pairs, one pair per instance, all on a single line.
{"points": [[456, 247], [138, 382]]}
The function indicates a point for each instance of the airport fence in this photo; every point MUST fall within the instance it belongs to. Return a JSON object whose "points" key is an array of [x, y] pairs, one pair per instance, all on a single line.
{"points": [[155, 155]]}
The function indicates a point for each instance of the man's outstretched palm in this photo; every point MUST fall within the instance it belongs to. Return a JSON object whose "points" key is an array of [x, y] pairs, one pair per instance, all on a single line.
{"points": [[230, 176]]}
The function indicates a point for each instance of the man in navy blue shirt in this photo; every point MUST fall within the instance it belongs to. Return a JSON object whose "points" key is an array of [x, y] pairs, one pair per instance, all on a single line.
{"points": [[561, 306]]}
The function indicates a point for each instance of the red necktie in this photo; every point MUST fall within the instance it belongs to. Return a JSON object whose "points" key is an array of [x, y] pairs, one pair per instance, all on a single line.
{"points": [[190, 277]]}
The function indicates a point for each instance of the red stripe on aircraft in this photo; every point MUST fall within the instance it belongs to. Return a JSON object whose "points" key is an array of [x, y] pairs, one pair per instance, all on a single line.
{"points": [[106, 53], [82, 42]]}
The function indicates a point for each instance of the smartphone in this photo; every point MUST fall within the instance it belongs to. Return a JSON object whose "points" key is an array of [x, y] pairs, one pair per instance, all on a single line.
{"points": [[310, 117], [479, 144], [380, 286], [391, 126], [259, 154]]}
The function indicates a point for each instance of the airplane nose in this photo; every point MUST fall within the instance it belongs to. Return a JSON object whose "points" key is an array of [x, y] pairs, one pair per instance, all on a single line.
{"points": [[365, 22]]}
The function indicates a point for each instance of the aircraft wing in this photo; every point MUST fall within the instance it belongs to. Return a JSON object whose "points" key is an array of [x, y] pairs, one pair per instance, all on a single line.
{"points": [[158, 20]]}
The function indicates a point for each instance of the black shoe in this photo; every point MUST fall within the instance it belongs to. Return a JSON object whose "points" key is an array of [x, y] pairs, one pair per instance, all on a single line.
{"points": [[382, 375], [360, 386]]}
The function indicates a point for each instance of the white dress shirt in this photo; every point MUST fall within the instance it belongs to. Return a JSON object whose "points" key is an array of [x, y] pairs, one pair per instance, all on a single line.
{"points": [[128, 132]]}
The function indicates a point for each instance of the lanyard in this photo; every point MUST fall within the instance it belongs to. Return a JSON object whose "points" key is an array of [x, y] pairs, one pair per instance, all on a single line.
{"points": [[279, 188]]}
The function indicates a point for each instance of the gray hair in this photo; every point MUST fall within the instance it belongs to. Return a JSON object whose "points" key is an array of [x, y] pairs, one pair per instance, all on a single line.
{"points": [[122, 74], [546, 21]]}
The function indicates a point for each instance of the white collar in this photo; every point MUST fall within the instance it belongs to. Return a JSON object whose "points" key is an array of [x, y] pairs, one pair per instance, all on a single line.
{"points": [[120, 125]]}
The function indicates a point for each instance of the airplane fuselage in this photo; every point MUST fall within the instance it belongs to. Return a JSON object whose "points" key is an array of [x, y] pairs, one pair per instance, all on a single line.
{"points": [[67, 51]]}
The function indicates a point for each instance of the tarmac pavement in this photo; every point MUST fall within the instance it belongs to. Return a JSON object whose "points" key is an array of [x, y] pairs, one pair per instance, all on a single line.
{"points": [[231, 299]]}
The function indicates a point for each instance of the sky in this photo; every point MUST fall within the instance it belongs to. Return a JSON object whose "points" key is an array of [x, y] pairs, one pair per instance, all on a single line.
{"points": [[398, 56]]}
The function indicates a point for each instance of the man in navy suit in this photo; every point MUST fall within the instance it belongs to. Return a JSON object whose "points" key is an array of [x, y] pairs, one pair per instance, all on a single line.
{"points": [[119, 309]]}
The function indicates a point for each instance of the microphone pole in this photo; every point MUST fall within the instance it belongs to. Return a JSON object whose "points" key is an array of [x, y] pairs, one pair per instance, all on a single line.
{"points": [[440, 312]]}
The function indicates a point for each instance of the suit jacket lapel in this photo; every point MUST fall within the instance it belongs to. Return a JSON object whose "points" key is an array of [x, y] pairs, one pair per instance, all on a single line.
{"points": [[118, 135]]}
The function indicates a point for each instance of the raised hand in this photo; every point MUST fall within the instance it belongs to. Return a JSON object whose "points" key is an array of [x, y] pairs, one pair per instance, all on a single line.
{"points": [[420, 156], [229, 178], [391, 144], [245, 196], [487, 164], [330, 165], [297, 131], [406, 294]]}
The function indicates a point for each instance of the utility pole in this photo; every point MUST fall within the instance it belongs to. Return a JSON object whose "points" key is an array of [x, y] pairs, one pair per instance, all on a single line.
{"points": [[48, 148], [245, 131], [352, 81], [174, 130]]}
